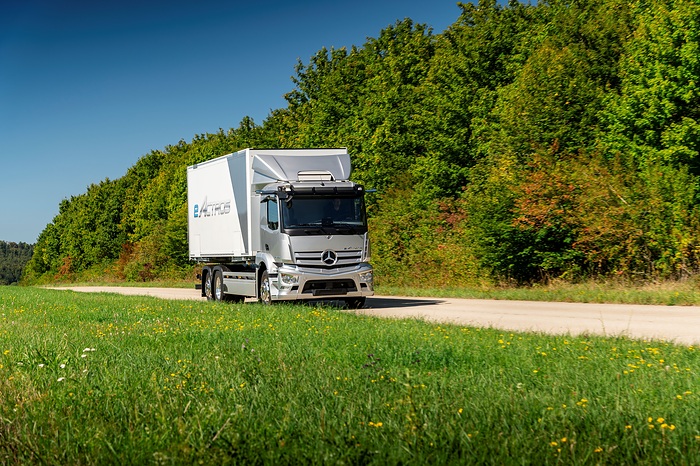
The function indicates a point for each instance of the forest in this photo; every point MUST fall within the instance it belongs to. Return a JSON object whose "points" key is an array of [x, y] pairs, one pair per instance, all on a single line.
{"points": [[13, 258], [524, 144]]}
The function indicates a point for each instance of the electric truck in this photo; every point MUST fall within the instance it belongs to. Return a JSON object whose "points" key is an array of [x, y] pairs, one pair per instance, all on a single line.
{"points": [[279, 225]]}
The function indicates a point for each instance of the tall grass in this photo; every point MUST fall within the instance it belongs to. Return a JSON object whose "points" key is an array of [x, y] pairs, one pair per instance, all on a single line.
{"points": [[106, 379], [670, 293]]}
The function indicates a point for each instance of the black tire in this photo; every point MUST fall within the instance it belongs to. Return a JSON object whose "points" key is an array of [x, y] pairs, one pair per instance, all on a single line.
{"points": [[356, 303], [208, 286], [218, 286], [264, 293]]}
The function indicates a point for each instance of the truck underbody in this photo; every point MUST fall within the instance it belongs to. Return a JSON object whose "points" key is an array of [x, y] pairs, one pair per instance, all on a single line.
{"points": [[237, 281]]}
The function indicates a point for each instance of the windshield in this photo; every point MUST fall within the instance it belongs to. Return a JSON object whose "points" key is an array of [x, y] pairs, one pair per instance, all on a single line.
{"points": [[324, 212]]}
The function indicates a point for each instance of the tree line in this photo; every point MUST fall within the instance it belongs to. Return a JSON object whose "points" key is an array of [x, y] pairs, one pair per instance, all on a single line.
{"points": [[13, 258], [524, 143]]}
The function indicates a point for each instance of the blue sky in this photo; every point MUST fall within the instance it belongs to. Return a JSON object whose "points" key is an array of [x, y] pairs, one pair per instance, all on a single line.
{"points": [[88, 87]]}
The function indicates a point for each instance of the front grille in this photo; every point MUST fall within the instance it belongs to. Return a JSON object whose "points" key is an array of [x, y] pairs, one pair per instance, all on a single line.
{"points": [[329, 287], [314, 258]]}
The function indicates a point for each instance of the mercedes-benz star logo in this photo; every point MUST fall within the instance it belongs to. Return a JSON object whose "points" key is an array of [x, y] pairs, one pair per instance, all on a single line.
{"points": [[329, 257]]}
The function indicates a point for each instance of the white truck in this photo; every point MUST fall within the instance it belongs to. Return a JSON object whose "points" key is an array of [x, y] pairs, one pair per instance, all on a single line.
{"points": [[279, 225]]}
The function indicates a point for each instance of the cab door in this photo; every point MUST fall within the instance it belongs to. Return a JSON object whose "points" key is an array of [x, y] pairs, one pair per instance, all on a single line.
{"points": [[270, 237]]}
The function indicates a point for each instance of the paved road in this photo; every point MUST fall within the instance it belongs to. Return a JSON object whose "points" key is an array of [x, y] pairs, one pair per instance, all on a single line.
{"points": [[679, 324]]}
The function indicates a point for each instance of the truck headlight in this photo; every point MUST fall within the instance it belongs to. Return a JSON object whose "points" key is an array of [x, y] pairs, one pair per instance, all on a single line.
{"points": [[288, 280], [366, 277]]}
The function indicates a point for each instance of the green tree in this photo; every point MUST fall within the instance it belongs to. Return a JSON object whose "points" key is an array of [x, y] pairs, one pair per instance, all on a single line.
{"points": [[13, 259], [655, 114]]}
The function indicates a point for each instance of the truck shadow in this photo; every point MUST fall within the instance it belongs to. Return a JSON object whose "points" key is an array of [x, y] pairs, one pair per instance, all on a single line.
{"points": [[380, 302], [388, 303]]}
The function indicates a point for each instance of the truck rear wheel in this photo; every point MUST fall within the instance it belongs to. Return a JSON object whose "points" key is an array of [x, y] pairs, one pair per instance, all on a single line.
{"points": [[208, 286], [264, 294]]}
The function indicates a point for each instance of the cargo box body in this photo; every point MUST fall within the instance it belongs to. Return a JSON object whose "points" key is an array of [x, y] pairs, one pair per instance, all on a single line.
{"points": [[222, 191], [219, 200]]}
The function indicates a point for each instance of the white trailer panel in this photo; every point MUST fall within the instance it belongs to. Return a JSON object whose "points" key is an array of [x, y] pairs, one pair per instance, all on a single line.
{"points": [[219, 208], [223, 208]]}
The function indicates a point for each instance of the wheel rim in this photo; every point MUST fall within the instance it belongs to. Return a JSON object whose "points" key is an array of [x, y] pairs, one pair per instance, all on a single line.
{"points": [[218, 292], [207, 287]]}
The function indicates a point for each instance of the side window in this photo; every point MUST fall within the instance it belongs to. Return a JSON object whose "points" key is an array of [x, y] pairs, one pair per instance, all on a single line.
{"points": [[273, 214]]}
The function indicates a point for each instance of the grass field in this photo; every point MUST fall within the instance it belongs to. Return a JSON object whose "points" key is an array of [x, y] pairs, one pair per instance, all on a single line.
{"points": [[107, 379]]}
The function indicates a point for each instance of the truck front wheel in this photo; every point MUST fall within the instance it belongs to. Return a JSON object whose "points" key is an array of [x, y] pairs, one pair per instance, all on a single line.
{"points": [[265, 295], [218, 289]]}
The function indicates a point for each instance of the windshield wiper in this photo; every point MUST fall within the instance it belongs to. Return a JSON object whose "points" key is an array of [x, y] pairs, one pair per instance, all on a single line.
{"points": [[310, 228], [347, 226]]}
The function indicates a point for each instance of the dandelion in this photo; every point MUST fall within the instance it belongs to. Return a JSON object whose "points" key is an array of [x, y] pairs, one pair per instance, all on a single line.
{"points": [[598, 450]]}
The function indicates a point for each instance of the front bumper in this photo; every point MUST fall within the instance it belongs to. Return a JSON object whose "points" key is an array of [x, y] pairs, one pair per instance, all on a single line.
{"points": [[294, 283]]}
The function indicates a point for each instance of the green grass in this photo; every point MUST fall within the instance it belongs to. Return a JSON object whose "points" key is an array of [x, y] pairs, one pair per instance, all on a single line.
{"points": [[107, 379], [148, 284]]}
